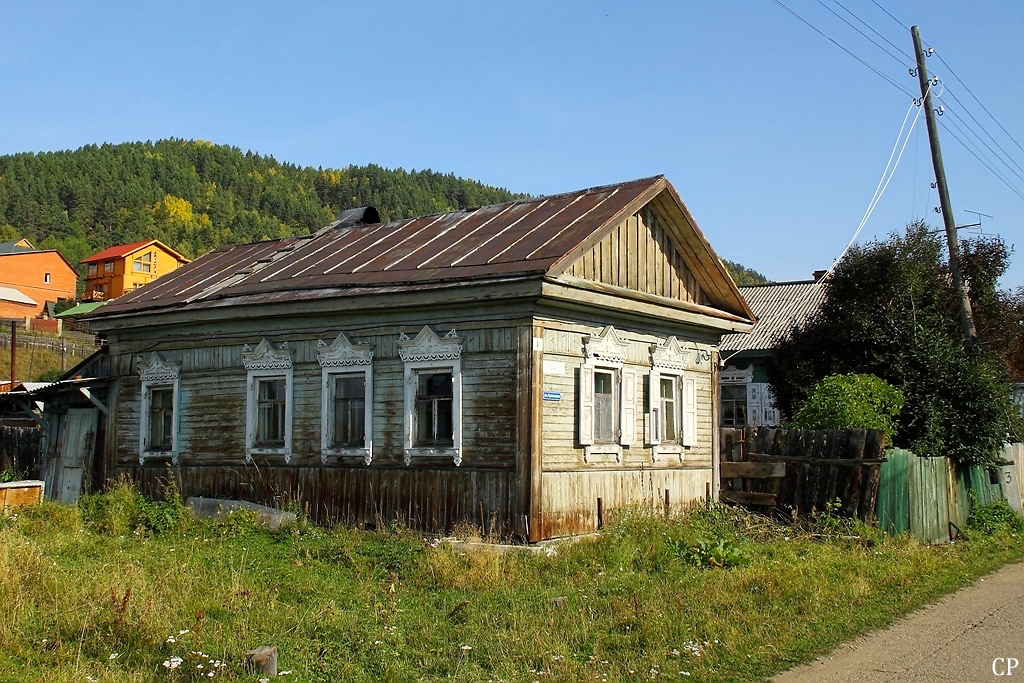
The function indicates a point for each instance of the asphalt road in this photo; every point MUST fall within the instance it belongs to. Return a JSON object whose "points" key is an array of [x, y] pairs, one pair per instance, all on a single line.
{"points": [[975, 634]]}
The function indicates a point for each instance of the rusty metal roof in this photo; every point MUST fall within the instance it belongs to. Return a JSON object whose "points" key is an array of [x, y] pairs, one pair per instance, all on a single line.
{"points": [[778, 307], [525, 238]]}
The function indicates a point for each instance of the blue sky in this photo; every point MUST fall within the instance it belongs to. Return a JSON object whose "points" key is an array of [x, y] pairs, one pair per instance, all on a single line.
{"points": [[773, 136]]}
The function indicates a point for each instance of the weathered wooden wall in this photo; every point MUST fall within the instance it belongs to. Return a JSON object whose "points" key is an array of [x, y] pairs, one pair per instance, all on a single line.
{"points": [[571, 486], [639, 255], [20, 450]]}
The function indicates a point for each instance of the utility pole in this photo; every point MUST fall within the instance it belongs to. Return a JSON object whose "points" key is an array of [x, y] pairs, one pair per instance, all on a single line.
{"points": [[966, 316], [14, 354]]}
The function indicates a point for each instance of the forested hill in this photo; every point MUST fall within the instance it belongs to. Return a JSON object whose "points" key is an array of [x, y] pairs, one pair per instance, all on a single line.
{"points": [[196, 196]]}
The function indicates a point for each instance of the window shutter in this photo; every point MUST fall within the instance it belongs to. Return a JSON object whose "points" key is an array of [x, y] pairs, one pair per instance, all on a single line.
{"points": [[654, 392], [689, 411], [586, 406], [627, 415], [754, 417]]}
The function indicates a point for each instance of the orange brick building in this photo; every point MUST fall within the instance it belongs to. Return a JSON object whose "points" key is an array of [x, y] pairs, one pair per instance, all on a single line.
{"points": [[125, 267], [39, 275]]}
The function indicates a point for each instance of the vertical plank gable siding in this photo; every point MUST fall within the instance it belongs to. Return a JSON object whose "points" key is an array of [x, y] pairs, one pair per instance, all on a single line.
{"points": [[431, 494], [571, 486], [638, 255]]}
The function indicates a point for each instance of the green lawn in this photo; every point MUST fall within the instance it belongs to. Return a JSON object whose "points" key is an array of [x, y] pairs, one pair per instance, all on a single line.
{"points": [[115, 588]]}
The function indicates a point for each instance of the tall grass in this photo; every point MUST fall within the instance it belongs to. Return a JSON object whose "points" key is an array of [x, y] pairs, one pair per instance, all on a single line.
{"points": [[118, 586]]}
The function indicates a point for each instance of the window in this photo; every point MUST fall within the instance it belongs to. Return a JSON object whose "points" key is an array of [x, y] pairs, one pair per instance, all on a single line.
{"points": [[347, 413], [268, 415], [161, 419], [92, 269], [606, 427], [144, 263], [607, 398], [668, 403], [434, 424], [270, 412], [433, 394], [734, 405], [672, 397], [46, 278], [158, 415], [108, 267]]}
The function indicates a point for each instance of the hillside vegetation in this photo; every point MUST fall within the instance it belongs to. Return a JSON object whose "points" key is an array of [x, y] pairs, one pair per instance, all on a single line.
{"points": [[196, 196]]}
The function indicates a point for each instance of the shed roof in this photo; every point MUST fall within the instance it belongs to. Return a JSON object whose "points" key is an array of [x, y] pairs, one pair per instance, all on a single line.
{"points": [[778, 307], [121, 250], [15, 296], [530, 238]]}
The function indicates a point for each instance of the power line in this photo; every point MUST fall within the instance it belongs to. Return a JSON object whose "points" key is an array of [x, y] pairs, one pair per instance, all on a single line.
{"points": [[968, 129], [905, 27], [979, 101], [903, 59], [840, 46], [983, 129], [968, 148], [952, 123]]}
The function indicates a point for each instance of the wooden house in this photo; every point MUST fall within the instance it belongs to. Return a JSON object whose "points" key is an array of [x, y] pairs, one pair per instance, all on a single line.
{"points": [[125, 267], [745, 397], [525, 367]]}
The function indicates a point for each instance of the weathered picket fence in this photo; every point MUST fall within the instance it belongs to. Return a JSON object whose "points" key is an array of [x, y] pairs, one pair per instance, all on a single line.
{"points": [[798, 471]]}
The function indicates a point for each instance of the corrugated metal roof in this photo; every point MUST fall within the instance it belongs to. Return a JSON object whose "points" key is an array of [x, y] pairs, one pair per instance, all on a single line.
{"points": [[778, 307], [525, 238]]}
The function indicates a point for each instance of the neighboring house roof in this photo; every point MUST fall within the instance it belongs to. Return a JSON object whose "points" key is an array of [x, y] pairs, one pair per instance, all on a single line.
{"points": [[80, 309], [14, 296], [529, 239], [778, 307], [122, 250], [16, 246], [21, 253]]}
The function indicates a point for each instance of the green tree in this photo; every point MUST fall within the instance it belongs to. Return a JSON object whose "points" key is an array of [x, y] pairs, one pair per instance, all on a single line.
{"points": [[890, 311]]}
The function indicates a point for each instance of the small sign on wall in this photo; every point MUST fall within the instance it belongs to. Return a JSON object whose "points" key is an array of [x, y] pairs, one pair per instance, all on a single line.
{"points": [[552, 395], [554, 367]]}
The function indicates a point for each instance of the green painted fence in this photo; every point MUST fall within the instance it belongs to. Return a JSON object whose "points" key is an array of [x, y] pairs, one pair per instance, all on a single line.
{"points": [[923, 496]]}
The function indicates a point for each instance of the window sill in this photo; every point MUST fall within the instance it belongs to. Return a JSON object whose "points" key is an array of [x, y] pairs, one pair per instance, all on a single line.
{"points": [[454, 453], [286, 453], [160, 457], [602, 453], [329, 453], [668, 450]]}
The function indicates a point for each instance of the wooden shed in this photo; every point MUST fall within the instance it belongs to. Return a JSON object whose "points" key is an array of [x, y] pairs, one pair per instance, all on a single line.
{"points": [[525, 367]]}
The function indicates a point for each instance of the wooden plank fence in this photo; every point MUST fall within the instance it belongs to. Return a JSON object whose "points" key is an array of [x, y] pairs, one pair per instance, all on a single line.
{"points": [[798, 471], [20, 450]]}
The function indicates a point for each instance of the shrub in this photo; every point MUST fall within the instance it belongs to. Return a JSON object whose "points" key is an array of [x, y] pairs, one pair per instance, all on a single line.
{"points": [[851, 402], [994, 517]]}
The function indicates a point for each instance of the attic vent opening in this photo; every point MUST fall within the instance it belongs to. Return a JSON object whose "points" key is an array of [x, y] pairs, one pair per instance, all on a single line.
{"points": [[363, 215]]}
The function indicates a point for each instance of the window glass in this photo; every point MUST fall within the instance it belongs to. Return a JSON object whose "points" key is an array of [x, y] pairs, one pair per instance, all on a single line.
{"points": [[734, 405], [270, 412], [92, 269], [349, 410], [108, 267], [668, 409], [604, 407], [161, 414], [434, 424]]}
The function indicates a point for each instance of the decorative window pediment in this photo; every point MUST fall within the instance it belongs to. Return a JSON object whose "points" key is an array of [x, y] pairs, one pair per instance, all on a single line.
{"points": [[342, 353], [669, 355], [157, 369], [427, 346], [267, 357], [605, 347]]}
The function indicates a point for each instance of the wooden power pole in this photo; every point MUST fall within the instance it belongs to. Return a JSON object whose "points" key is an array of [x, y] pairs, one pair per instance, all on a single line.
{"points": [[966, 315]]}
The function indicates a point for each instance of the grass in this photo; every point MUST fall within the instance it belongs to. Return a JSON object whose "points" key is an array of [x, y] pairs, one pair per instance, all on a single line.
{"points": [[112, 589]]}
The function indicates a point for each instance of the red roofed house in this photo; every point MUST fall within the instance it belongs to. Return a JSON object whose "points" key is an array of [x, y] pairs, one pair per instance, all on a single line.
{"points": [[126, 267]]}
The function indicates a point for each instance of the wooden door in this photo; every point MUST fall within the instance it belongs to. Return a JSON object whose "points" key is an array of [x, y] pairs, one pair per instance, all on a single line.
{"points": [[77, 439]]}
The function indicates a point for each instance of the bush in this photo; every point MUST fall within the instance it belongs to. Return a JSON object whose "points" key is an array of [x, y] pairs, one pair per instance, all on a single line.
{"points": [[124, 510], [994, 517], [851, 402]]}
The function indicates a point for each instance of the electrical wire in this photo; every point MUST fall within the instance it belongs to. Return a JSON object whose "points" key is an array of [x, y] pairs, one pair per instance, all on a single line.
{"points": [[965, 128], [905, 27], [844, 49], [982, 127], [953, 135], [902, 59]]}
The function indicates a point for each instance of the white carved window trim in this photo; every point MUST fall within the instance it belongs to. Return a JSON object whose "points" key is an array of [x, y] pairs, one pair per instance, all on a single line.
{"points": [[158, 373], [606, 352], [339, 359], [263, 362], [672, 359], [429, 352]]}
